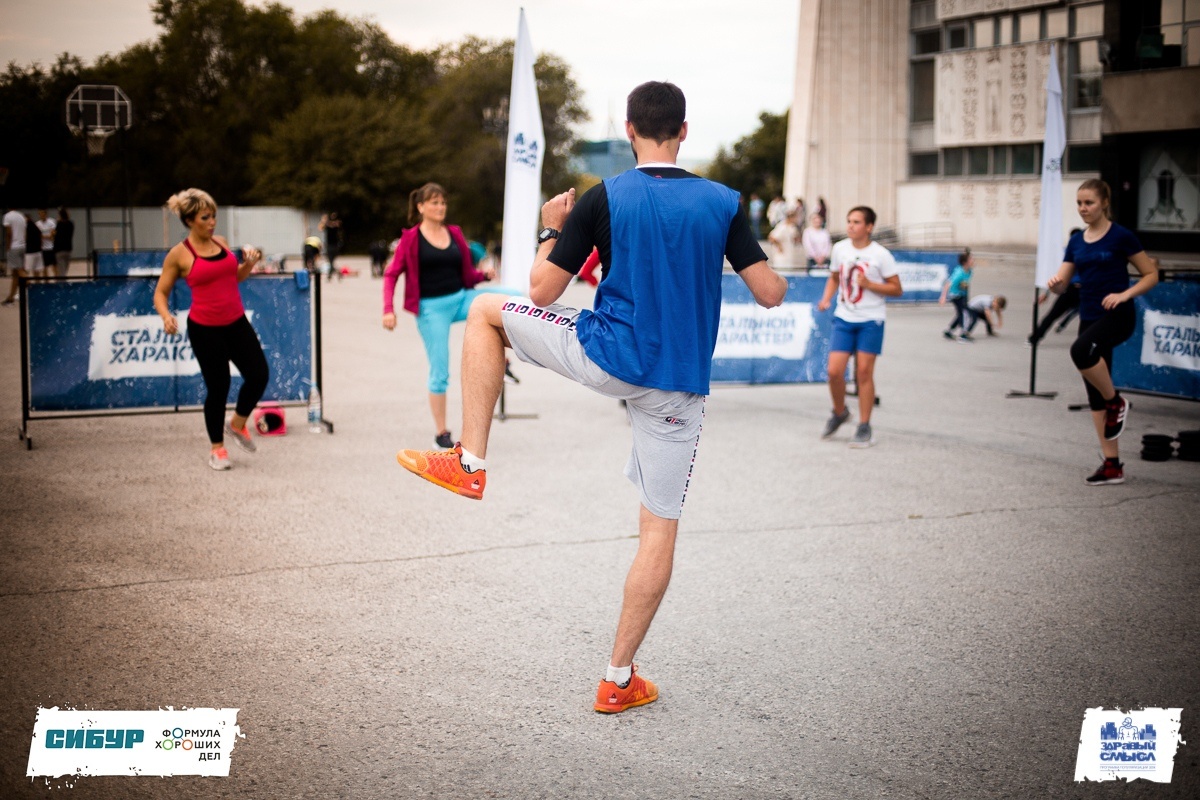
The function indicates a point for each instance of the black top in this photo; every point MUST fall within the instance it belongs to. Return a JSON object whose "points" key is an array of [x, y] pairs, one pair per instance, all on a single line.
{"points": [[64, 236], [590, 226], [33, 237], [439, 270]]}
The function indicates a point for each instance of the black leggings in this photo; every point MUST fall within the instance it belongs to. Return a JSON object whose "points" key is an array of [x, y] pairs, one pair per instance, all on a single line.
{"points": [[1066, 302], [215, 346], [1097, 339]]}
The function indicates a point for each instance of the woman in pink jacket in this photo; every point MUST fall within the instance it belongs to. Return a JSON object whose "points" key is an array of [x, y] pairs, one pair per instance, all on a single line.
{"points": [[439, 286]]}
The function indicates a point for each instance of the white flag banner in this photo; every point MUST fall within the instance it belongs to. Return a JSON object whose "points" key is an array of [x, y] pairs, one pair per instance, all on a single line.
{"points": [[523, 168], [1050, 221]]}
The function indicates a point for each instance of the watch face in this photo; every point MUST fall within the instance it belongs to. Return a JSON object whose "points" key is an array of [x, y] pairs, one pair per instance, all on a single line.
{"points": [[546, 234]]}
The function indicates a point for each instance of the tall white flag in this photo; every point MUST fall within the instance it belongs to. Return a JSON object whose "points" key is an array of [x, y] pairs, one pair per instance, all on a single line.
{"points": [[1050, 220], [523, 169]]}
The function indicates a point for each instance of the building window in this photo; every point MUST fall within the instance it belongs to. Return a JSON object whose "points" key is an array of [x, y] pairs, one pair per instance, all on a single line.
{"points": [[1085, 73], [926, 42], [1028, 28], [1083, 158], [977, 161], [1056, 24], [957, 37], [1025, 159], [1000, 160], [985, 32], [922, 92], [1087, 20], [952, 161], [1004, 30], [923, 14], [1180, 32], [923, 164]]}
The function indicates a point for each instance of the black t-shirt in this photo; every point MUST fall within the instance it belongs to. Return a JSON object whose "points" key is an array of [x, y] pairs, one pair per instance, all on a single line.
{"points": [[33, 237], [590, 226], [64, 236], [440, 270]]}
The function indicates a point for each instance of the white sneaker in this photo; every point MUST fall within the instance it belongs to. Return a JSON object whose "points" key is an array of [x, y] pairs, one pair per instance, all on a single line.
{"points": [[219, 459]]}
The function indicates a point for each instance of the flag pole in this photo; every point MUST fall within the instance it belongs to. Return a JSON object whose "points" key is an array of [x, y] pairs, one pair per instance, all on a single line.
{"points": [[1049, 250], [522, 179]]}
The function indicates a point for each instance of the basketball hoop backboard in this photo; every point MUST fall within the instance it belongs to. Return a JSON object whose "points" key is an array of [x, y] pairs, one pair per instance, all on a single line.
{"points": [[97, 111], [96, 107]]}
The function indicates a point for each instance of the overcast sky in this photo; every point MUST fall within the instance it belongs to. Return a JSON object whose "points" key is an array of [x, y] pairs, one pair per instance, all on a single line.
{"points": [[732, 60]]}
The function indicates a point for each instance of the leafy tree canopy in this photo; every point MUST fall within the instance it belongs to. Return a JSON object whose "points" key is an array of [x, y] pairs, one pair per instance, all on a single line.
{"points": [[755, 162], [257, 106]]}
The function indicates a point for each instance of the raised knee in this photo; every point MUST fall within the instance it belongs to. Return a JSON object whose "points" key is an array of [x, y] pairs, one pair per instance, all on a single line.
{"points": [[1082, 354]]}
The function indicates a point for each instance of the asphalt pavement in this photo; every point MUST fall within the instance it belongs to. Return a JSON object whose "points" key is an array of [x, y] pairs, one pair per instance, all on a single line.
{"points": [[928, 618]]}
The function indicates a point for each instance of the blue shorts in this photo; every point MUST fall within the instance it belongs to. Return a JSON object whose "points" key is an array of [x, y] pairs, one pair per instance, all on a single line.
{"points": [[435, 315], [856, 337]]}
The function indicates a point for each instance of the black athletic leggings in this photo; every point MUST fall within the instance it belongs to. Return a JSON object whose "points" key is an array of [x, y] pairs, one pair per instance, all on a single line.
{"points": [[1097, 339], [215, 346], [1064, 304]]}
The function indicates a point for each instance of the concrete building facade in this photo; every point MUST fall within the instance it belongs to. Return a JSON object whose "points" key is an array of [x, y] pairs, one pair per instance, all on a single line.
{"points": [[933, 112]]}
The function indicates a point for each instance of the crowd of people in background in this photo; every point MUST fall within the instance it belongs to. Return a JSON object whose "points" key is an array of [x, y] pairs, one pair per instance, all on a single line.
{"points": [[36, 247]]}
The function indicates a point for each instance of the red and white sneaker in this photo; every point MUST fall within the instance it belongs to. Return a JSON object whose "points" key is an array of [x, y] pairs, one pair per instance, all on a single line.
{"points": [[1110, 472], [1115, 413]]}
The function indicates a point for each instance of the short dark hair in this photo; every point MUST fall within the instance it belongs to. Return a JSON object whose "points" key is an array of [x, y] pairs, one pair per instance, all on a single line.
{"points": [[657, 110], [964, 257], [867, 212]]}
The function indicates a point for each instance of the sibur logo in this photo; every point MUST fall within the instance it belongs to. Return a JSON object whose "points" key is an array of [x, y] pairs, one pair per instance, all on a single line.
{"points": [[94, 739]]}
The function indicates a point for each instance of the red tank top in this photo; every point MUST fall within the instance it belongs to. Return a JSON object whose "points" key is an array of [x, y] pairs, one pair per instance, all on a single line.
{"points": [[214, 284]]}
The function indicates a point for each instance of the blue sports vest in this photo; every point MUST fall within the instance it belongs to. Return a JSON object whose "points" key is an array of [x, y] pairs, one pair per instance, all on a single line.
{"points": [[657, 311]]}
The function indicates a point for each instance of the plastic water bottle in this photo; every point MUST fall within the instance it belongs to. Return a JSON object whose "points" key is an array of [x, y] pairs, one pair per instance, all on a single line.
{"points": [[314, 411]]}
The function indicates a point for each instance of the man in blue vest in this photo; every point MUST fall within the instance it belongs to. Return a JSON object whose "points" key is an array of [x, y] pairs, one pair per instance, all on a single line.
{"points": [[663, 236]]}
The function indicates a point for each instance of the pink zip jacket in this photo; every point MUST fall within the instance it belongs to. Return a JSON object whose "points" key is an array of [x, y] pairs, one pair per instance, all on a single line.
{"points": [[406, 259]]}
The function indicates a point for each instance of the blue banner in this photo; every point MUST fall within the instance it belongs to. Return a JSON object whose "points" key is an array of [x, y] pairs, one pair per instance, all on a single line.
{"points": [[922, 273], [99, 344], [135, 262], [1163, 355], [789, 344]]}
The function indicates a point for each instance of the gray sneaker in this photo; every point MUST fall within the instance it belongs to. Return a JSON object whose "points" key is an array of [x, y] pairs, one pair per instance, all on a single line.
{"points": [[242, 438], [835, 422], [863, 436]]}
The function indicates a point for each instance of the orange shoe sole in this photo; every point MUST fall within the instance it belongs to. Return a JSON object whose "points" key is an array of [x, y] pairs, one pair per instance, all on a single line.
{"points": [[616, 708], [606, 709], [449, 486]]}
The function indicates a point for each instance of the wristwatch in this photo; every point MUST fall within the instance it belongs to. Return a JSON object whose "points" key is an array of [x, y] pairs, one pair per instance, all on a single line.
{"points": [[546, 234]]}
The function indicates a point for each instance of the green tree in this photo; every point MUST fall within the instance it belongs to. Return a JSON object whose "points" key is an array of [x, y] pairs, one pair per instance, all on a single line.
{"points": [[468, 111], [755, 162], [313, 159]]}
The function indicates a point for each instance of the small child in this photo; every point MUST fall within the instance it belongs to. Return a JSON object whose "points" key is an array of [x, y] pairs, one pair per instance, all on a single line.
{"points": [[956, 288], [987, 308]]}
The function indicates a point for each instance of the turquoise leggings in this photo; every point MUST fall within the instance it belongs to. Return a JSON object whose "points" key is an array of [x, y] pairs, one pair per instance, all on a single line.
{"points": [[434, 318]]}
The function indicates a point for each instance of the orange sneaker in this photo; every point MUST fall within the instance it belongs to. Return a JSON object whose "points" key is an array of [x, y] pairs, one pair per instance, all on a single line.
{"points": [[612, 699], [445, 469]]}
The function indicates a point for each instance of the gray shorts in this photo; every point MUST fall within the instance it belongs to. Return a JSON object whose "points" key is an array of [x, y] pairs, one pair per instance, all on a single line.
{"points": [[666, 425], [16, 259]]}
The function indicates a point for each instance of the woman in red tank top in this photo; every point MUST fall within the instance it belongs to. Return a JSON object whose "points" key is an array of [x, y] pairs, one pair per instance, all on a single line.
{"points": [[217, 327]]}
